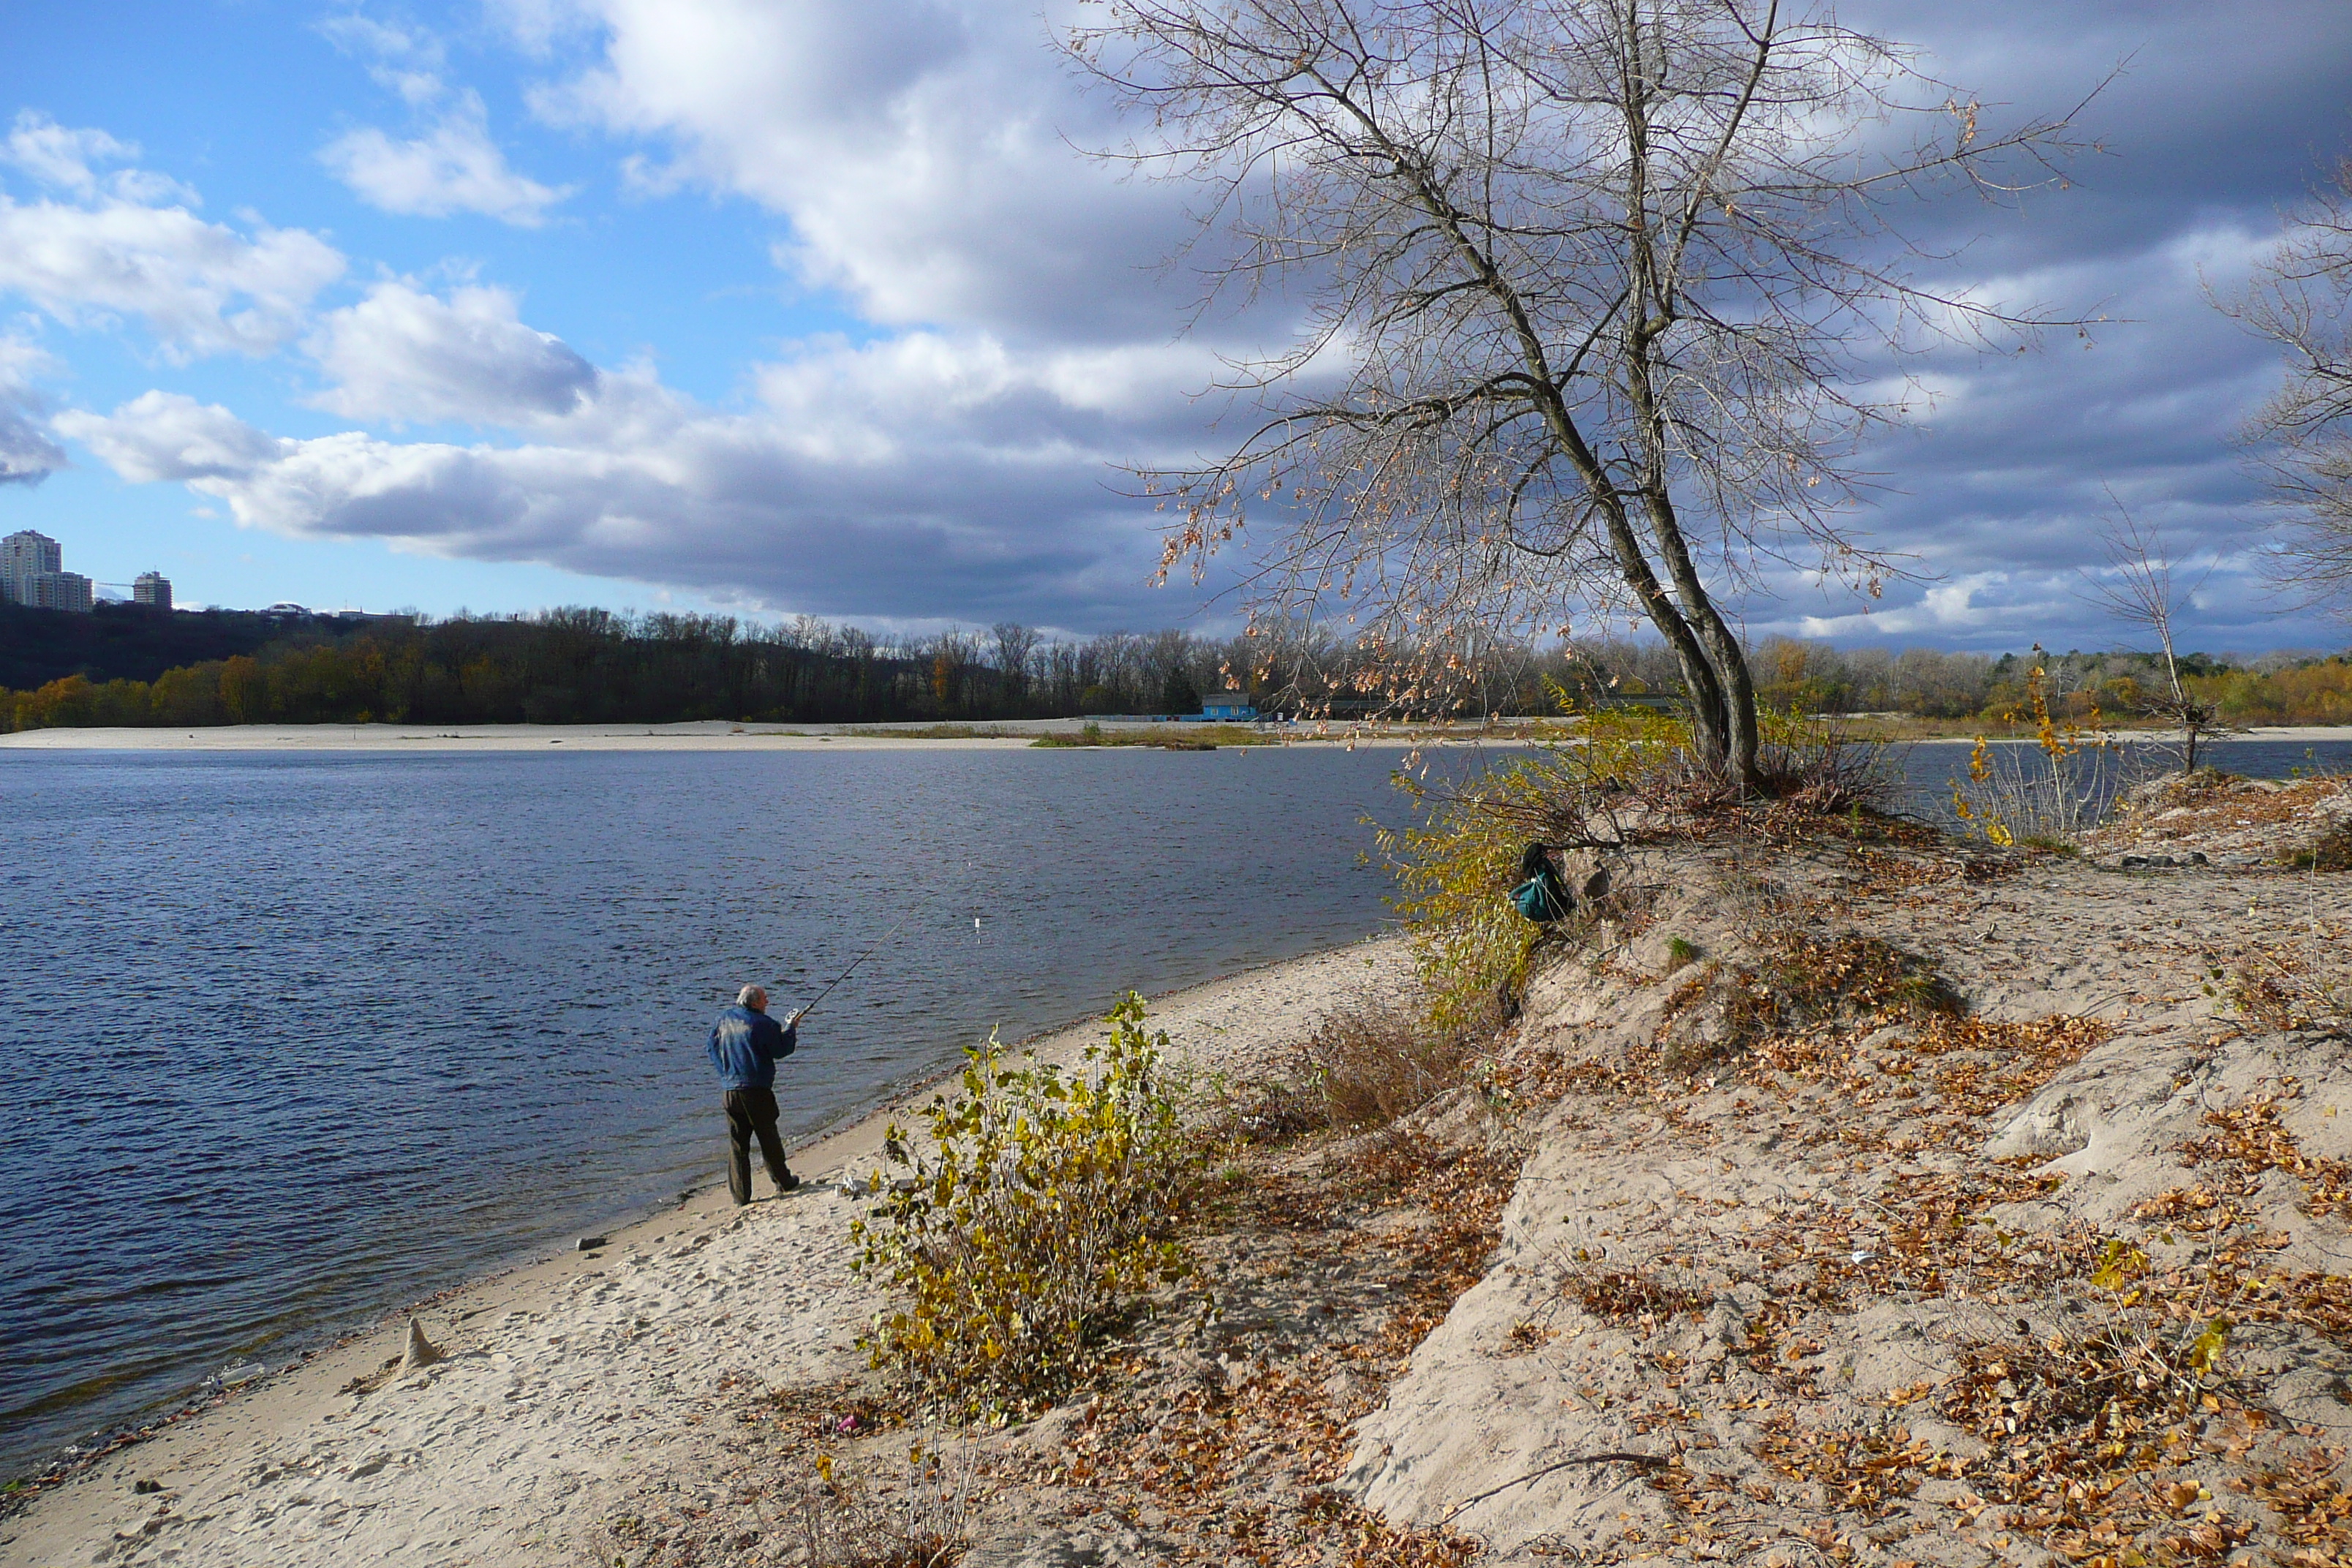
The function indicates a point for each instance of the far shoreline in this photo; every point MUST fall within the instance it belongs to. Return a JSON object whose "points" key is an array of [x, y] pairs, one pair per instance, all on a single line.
{"points": [[722, 736]]}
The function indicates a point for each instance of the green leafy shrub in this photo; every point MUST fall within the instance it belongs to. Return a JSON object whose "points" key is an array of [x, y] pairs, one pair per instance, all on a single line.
{"points": [[1047, 1201]]}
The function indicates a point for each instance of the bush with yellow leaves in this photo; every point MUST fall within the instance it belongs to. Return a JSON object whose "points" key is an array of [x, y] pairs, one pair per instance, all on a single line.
{"points": [[2048, 795], [1046, 1199], [1456, 867]]}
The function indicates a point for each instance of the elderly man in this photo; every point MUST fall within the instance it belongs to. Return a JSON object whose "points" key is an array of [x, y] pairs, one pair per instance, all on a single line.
{"points": [[745, 1046]]}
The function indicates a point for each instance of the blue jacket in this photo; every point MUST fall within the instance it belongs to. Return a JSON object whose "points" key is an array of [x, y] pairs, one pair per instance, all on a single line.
{"points": [[746, 1045]]}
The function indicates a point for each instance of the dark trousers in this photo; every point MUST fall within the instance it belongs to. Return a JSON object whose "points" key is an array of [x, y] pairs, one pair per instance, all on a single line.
{"points": [[751, 1110]]}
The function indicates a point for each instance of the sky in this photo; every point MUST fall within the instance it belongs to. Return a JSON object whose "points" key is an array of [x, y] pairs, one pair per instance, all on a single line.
{"points": [[815, 307]]}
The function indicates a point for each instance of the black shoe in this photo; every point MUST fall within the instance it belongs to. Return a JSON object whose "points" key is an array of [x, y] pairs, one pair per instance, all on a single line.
{"points": [[789, 1184]]}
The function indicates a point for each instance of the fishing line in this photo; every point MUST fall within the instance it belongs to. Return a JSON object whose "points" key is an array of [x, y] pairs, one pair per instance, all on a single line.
{"points": [[861, 958], [970, 867]]}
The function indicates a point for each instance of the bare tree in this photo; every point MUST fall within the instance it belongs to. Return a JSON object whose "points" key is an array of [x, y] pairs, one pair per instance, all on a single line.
{"points": [[2302, 300], [2137, 590], [1017, 647], [1588, 284]]}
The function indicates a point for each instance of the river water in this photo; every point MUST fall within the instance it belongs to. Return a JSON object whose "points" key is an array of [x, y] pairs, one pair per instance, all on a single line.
{"points": [[297, 1039]]}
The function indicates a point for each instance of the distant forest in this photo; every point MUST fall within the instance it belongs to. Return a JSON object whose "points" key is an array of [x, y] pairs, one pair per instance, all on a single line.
{"points": [[128, 642], [581, 666]]}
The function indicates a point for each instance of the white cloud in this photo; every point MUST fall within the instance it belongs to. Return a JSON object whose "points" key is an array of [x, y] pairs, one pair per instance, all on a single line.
{"points": [[127, 245], [57, 157], [885, 479], [28, 456], [453, 167], [167, 436], [918, 148], [408, 60], [404, 354]]}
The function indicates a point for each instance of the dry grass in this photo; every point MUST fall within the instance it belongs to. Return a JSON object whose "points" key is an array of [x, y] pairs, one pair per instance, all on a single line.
{"points": [[1170, 737], [1638, 1294], [1803, 979], [1372, 1067], [1366, 1067], [2331, 851], [921, 1519]]}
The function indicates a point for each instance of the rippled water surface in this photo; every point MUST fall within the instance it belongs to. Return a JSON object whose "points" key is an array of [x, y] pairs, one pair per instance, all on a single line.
{"points": [[296, 1039]]}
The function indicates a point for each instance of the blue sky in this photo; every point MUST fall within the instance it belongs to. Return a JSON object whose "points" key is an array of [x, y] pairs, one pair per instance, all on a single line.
{"points": [[811, 309]]}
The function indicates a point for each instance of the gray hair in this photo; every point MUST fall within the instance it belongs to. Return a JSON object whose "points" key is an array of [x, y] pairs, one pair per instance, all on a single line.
{"points": [[751, 996]]}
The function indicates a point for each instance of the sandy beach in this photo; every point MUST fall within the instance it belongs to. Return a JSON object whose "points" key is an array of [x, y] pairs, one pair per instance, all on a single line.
{"points": [[573, 1385]]}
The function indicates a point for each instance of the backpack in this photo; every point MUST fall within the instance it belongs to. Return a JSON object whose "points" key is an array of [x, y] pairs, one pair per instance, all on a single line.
{"points": [[1543, 897]]}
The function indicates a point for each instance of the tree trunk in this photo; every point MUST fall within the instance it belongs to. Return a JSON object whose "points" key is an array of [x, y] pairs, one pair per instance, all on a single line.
{"points": [[1723, 650], [1711, 729]]}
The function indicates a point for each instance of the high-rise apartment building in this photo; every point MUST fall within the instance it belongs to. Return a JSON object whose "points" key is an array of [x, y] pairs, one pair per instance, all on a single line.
{"points": [[64, 591], [32, 572], [154, 590], [24, 555]]}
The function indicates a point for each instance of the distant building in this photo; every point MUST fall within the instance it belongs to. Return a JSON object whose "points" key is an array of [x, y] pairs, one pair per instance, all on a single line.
{"points": [[154, 590], [1229, 707], [23, 556], [32, 573], [63, 591]]}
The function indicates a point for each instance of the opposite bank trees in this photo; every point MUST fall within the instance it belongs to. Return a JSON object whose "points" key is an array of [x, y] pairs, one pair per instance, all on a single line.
{"points": [[1595, 295]]}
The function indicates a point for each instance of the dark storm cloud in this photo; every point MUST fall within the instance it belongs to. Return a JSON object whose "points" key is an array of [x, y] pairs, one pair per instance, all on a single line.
{"points": [[2219, 120]]}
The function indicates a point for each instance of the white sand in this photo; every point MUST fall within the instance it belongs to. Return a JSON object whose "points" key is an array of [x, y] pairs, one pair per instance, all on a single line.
{"points": [[580, 1383]]}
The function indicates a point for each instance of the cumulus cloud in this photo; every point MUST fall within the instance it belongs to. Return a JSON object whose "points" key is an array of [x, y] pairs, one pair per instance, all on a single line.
{"points": [[2000, 491], [918, 154], [127, 245], [924, 477], [402, 355], [168, 436], [406, 59], [920, 149], [451, 165], [63, 159], [28, 456]]}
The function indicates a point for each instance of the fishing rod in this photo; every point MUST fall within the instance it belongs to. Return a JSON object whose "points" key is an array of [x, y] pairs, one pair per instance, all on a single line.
{"points": [[861, 958]]}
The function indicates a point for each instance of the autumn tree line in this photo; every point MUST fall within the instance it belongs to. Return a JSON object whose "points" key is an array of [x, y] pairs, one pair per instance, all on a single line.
{"points": [[585, 666]]}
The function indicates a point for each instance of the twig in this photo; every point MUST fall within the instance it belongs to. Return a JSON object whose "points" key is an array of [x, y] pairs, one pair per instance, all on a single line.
{"points": [[1651, 1460]]}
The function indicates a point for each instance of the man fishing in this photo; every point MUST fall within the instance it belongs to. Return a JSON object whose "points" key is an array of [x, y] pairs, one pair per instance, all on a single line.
{"points": [[745, 1046]]}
